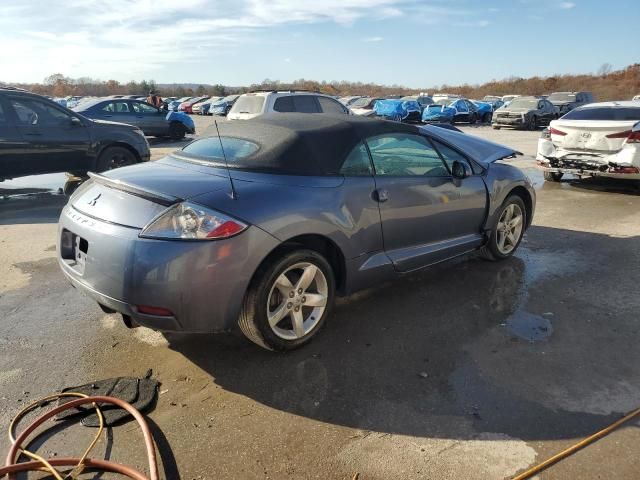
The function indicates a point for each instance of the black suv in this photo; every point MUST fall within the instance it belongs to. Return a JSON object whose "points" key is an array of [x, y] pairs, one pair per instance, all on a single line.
{"points": [[39, 136]]}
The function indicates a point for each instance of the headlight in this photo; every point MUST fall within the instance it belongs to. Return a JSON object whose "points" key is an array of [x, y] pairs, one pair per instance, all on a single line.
{"points": [[189, 221]]}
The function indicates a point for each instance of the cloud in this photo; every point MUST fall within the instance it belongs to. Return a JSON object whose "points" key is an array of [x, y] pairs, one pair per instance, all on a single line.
{"points": [[373, 39], [134, 39], [566, 5]]}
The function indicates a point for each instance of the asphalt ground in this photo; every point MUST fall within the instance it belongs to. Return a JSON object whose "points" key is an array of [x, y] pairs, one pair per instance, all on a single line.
{"points": [[467, 370]]}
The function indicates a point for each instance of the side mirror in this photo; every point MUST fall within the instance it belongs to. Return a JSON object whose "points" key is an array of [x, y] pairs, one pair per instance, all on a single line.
{"points": [[460, 170], [75, 121]]}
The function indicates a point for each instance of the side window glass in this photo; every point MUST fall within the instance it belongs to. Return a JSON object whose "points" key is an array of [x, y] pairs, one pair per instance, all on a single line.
{"points": [[34, 112], [3, 117], [122, 107], [143, 108], [305, 104], [450, 155], [405, 155], [331, 106], [357, 163], [284, 104], [109, 108]]}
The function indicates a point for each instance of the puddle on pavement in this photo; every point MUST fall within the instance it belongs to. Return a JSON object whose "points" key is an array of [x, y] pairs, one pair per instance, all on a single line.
{"points": [[529, 327]]}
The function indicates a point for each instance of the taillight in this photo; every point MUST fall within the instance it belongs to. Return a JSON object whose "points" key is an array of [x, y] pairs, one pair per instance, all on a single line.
{"points": [[157, 311], [190, 221], [630, 135], [555, 131]]}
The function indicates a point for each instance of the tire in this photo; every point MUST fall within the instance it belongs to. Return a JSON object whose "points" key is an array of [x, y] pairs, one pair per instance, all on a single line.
{"points": [[493, 250], [486, 118], [177, 131], [472, 119], [495, 127], [552, 176], [115, 157], [269, 294], [533, 123]]}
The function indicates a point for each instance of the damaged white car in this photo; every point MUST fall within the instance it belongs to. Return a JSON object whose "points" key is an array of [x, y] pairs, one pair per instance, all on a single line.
{"points": [[599, 139]]}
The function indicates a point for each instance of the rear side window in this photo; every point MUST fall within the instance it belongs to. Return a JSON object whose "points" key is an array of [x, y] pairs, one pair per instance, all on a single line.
{"points": [[210, 148], [283, 104], [3, 117], [109, 107], [121, 107], [248, 104], [143, 108], [331, 106], [357, 164], [305, 104], [605, 113]]}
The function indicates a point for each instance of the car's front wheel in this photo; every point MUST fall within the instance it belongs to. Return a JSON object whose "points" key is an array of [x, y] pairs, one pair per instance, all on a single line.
{"points": [[508, 231], [288, 301]]}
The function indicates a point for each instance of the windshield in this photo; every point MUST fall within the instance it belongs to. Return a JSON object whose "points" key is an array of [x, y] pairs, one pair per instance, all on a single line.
{"points": [[230, 98], [562, 97], [508, 98], [621, 114], [442, 101], [410, 98], [249, 104], [524, 103], [361, 102], [490, 98]]}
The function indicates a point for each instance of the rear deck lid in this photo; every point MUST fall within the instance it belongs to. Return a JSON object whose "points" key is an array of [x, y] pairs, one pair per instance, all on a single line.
{"points": [[594, 135], [133, 196]]}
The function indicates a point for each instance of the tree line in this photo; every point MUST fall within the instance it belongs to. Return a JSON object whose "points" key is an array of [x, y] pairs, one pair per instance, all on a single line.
{"points": [[606, 84]]}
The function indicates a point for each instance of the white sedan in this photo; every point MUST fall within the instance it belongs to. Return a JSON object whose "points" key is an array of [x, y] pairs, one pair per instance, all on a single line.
{"points": [[599, 139]]}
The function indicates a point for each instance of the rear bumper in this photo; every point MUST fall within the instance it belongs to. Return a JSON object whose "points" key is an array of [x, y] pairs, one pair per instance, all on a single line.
{"points": [[201, 283], [589, 173]]}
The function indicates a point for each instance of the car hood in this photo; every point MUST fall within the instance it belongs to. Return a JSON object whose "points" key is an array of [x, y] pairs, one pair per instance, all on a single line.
{"points": [[515, 110], [482, 151]]}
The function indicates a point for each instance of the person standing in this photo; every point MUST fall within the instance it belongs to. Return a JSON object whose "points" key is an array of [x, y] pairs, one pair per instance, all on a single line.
{"points": [[154, 99]]}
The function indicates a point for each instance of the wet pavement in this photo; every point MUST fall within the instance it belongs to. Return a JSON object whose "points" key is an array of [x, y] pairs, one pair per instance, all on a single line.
{"points": [[469, 369]]}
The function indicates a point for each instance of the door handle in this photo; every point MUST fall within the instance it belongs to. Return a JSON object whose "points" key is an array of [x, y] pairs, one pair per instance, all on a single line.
{"points": [[381, 195], [107, 116]]}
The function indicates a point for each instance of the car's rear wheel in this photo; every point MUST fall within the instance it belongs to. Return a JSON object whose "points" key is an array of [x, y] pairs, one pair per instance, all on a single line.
{"points": [[552, 176], [115, 157], [177, 131], [486, 118], [508, 231], [472, 119], [533, 123], [288, 301]]}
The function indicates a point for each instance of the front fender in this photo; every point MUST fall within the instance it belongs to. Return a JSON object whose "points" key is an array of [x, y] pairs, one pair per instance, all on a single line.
{"points": [[501, 180]]}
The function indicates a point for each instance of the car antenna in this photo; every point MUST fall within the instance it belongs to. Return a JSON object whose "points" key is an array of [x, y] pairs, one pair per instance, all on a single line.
{"points": [[234, 194]]}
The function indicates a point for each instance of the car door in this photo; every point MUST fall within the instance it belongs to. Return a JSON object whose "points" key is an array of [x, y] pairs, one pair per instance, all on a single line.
{"points": [[150, 119], [55, 140], [426, 214], [123, 113], [12, 148], [462, 111], [546, 111]]}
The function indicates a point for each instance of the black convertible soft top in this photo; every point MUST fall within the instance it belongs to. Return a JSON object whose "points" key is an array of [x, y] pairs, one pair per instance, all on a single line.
{"points": [[300, 143]]}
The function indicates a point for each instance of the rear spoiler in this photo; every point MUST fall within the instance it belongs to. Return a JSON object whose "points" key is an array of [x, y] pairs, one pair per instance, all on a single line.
{"points": [[157, 197]]}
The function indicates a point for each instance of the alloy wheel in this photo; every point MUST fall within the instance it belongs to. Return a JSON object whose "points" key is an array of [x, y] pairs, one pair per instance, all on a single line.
{"points": [[297, 300], [509, 229]]}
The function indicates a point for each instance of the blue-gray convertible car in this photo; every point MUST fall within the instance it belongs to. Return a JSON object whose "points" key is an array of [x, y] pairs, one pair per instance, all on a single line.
{"points": [[262, 226]]}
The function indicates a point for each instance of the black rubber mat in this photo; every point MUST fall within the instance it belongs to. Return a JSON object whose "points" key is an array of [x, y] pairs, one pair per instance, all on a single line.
{"points": [[139, 392]]}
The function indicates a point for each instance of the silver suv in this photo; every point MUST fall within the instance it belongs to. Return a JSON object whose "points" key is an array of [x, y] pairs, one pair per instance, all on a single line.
{"points": [[254, 104]]}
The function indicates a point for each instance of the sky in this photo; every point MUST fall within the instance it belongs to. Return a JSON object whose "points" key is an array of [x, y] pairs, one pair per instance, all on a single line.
{"points": [[415, 43]]}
